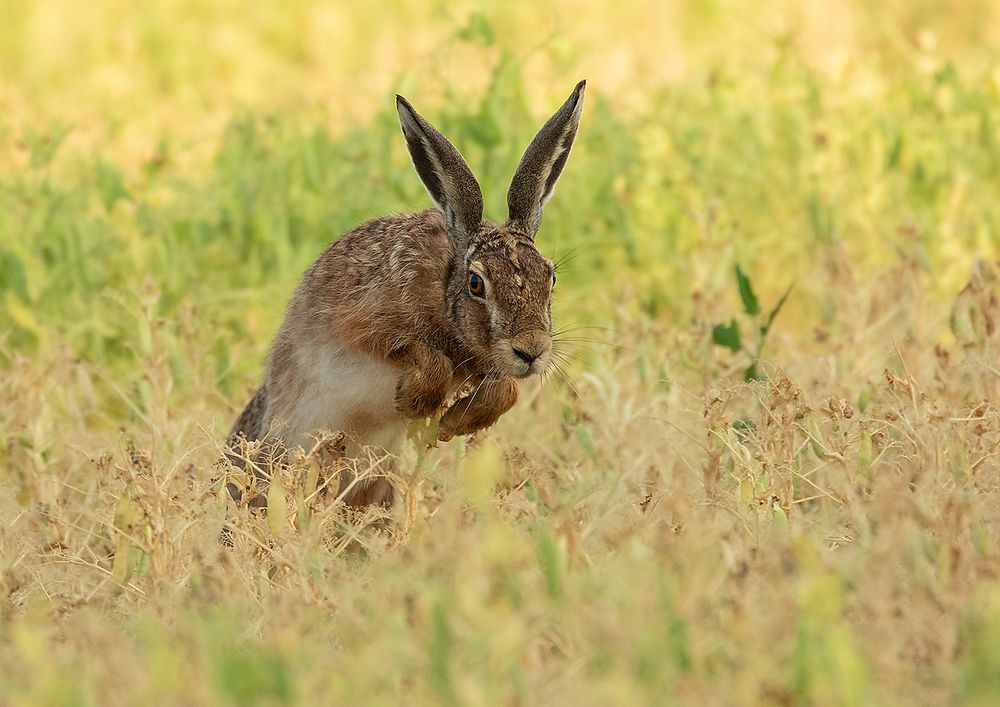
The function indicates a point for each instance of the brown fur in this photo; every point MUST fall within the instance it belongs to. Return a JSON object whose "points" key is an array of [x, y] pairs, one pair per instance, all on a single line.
{"points": [[248, 423], [384, 326]]}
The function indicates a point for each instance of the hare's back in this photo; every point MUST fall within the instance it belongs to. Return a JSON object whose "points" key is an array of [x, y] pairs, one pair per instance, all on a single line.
{"points": [[391, 248]]}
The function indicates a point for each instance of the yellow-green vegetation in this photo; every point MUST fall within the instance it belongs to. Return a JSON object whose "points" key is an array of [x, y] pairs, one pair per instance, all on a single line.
{"points": [[645, 527]]}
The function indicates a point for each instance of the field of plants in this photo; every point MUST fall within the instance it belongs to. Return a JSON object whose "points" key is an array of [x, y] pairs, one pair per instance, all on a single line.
{"points": [[767, 470]]}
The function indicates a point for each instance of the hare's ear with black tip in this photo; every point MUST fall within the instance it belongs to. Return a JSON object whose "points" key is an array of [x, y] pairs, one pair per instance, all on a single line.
{"points": [[444, 172], [543, 161]]}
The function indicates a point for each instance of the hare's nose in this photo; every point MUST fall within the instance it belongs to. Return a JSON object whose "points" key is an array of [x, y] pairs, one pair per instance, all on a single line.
{"points": [[529, 348], [525, 356]]}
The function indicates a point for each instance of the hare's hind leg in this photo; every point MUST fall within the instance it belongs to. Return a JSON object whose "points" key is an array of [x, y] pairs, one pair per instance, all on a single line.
{"points": [[370, 492], [251, 420], [249, 426]]}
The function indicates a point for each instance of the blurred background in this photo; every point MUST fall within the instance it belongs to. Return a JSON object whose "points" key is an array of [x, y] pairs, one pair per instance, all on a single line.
{"points": [[819, 177], [211, 149]]}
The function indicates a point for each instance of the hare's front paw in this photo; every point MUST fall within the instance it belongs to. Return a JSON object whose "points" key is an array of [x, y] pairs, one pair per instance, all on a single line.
{"points": [[422, 389], [478, 410], [416, 397]]}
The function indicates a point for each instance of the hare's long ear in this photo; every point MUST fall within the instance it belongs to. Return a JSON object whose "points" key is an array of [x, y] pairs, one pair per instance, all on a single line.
{"points": [[444, 172], [543, 161]]}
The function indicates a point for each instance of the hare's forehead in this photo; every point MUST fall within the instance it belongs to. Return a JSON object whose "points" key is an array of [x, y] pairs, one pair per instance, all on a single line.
{"points": [[519, 262]]}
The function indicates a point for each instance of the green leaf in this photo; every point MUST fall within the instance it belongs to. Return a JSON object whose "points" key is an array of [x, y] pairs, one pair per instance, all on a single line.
{"points": [[484, 129], [482, 469], [478, 31], [442, 648], [120, 569], [780, 520], [728, 336], [277, 507], [751, 373], [111, 184], [550, 558], [22, 314], [254, 677], [750, 304], [864, 398], [13, 276], [745, 428], [312, 478], [586, 439], [895, 153], [821, 219], [774, 312]]}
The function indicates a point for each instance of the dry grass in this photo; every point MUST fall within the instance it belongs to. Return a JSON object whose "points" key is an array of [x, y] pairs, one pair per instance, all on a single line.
{"points": [[829, 536]]}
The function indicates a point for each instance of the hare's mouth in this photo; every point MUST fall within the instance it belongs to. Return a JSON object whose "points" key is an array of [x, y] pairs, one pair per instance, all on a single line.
{"points": [[533, 371]]}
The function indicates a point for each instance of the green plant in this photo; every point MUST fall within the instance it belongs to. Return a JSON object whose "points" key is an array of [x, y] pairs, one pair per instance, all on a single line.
{"points": [[729, 336]]}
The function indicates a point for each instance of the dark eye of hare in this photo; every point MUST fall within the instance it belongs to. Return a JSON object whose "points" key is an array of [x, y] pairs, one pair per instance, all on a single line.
{"points": [[553, 279], [477, 287]]}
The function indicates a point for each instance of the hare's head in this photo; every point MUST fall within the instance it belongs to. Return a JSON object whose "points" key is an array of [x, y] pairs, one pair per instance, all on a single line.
{"points": [[500, 288]]}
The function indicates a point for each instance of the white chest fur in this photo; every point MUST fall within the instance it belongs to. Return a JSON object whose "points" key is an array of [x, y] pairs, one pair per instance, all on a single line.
{"points": [[344, 390]]}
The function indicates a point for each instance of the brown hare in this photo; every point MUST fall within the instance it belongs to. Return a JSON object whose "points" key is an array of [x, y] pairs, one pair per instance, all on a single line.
{"points": [[404, 313]]}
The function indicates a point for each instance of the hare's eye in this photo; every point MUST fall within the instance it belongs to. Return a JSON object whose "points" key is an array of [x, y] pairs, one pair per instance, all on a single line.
{"points": [[553, 279], [477, 287]]}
